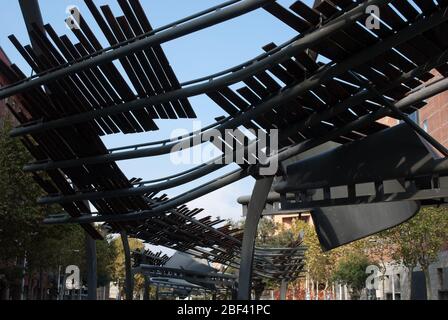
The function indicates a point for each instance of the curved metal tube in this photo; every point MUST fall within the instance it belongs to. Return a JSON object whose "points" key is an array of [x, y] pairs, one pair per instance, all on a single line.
{"points": [[219, 15], [160, 209], [165, 141], [294, 48], [178, 180], [326, 73], [415, 97]]}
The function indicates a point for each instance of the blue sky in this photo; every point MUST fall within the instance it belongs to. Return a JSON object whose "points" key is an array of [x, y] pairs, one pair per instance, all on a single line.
{"points": [[193, 56]]}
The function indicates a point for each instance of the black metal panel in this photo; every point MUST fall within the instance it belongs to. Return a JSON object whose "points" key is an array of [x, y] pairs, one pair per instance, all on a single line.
{"points": [[397, 152], [337, 226]]}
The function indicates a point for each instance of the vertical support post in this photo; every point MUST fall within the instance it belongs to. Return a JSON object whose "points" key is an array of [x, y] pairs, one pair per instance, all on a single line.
{"points": [[392, 282], [147, 288], [157, 292], [22, 282], [254, 211], [340, 292], [92, 281], [129, 283], [283, 290]]}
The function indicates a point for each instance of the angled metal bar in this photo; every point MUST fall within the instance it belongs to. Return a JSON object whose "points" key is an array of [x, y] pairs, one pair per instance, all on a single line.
{"points": [[294, 48], [237, 9], [256, 207], [32, 17], [408, 101], [401, 115]]}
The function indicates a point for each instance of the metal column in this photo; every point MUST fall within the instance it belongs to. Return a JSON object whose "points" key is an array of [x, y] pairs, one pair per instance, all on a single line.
{"points": [[129, 283], [147, 288], [92, 282], [283, 290], [256, 206]]}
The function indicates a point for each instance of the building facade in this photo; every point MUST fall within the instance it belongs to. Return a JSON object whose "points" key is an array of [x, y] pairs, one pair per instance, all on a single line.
{"points": [[433, 117]]}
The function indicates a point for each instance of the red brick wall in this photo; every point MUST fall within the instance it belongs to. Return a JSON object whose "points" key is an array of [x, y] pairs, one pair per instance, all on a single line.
{"points": [[3, 109], [436, 115]]}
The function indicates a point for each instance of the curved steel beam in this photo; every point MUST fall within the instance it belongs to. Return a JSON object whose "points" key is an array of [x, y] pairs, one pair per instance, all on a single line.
{"points": [[128, 41], [300, 45], [237, 9], [135, 191], [160, 209], [256, 207], [165, 141], [278, 100], [139, 151], [411, 99]]}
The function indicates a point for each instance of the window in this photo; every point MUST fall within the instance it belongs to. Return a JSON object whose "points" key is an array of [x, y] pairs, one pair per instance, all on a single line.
{"points": [[414, 117], [425, 125]]}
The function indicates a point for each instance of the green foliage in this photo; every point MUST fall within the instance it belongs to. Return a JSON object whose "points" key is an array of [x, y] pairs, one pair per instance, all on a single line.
{"points": [[419, 240], [118, 264], [19, 214], [351, 270], [21, 229]]}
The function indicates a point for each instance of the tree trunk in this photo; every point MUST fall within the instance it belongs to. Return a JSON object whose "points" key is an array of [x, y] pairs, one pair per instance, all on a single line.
{"points": [[428, 283], [41, 286], [129, 282], [312, 292], [410, 273], [325, 290], [147, 289], [4, 290]]}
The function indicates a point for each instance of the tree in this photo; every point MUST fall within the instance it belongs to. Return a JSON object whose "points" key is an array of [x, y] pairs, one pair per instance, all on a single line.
{"points": [[22, 234], [20, 216], [419, 241], [380, 248], [351, 270], [118, 273]]}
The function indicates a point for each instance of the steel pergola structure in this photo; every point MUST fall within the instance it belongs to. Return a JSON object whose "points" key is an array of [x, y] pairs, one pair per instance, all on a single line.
{"points": [[276, 264], [77, 95]]}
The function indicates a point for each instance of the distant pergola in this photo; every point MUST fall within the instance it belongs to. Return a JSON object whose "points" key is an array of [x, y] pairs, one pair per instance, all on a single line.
{"points": [[376, 177]]}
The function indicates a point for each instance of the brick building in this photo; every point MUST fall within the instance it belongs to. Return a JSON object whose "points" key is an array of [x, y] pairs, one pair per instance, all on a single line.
{"points": [[433, 117], [4, 112], [3, 109]]}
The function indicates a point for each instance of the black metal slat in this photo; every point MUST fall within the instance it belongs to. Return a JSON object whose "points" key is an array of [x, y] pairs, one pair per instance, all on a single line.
{"points": [[168, 70]]}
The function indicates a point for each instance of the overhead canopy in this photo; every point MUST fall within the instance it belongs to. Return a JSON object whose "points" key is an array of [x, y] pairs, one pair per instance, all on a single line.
{"points": [[78, 96]]}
